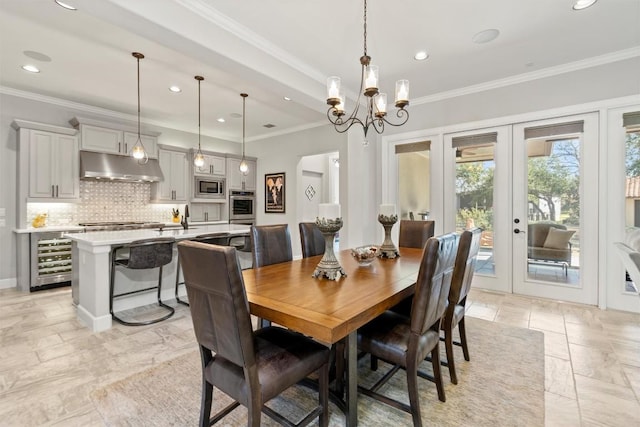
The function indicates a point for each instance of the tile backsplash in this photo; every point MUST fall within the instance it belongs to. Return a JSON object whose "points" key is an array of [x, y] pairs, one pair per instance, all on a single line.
{"points": [[105, 201]]}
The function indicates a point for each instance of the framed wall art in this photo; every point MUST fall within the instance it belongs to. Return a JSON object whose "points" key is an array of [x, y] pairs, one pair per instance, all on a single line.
{"points": [[274, 193]]}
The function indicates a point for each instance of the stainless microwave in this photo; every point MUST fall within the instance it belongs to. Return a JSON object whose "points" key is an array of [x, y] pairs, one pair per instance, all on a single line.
{"points": [[208, 188]]}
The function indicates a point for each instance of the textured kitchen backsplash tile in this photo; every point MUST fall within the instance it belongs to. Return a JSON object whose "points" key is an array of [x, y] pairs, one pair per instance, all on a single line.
{"points": [[105, 201]]}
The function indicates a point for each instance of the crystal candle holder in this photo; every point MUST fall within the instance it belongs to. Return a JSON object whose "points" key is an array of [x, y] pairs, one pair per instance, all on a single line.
{"points": [[388, 248], [329, 265]]}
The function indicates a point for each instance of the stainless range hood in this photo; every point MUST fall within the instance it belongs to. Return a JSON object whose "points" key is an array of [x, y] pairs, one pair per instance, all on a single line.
{"points": [[121, 168]]}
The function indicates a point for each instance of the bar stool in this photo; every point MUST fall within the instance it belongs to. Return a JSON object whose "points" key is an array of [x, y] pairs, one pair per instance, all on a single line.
{"points": [[210, 238], [143, 254]]}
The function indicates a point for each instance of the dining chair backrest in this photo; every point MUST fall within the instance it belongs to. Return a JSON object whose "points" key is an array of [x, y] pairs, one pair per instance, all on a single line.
{"points": [[218, 301], [311, 239], [433, 283], [465, 265], [270, 244], [150, 253], [414, 234]]}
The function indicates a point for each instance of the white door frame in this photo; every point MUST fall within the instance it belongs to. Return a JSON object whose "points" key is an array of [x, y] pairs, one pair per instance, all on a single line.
{"points": [[586, 292], [501, 280]]}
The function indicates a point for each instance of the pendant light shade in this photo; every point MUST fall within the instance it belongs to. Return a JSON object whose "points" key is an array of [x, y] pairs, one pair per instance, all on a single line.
{"points": [[198, 159], [137, 151], [244, 166]]}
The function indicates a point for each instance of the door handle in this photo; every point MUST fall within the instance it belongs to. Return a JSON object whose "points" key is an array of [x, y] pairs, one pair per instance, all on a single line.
{"points": [[518, 231]]}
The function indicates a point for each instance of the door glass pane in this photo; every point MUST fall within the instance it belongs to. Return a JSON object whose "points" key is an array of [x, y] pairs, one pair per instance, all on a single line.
{"points": [[553, 232], [475, 167], [632, 196], [414, 182]]}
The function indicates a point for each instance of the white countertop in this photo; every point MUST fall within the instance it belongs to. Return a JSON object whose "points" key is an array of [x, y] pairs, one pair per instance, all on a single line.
{"points": [[106, 238], [81, 228]]}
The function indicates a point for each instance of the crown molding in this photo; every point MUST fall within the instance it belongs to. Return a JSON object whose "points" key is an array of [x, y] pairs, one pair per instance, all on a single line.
{"points": [[211, 14], [595, 61]]}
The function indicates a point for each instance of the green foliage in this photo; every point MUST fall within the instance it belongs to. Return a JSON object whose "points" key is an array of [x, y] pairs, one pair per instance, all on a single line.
{"points": [[482, 218], [632, 159]]}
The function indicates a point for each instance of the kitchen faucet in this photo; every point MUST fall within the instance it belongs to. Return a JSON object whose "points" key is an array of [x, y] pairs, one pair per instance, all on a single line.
{"points": [[184, 221]]}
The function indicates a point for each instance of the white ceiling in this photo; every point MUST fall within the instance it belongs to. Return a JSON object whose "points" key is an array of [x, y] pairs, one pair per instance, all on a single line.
{"points": [[276, 48]]}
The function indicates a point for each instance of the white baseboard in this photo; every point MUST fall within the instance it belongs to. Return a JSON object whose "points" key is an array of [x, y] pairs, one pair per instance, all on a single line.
{"points": [[8, 283]]}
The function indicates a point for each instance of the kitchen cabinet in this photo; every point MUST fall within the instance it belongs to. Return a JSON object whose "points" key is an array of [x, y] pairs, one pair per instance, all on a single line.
{"points": [[174, 188], [213, 165], [205, 212], [103, 138], [53, 166], [236, 180]]}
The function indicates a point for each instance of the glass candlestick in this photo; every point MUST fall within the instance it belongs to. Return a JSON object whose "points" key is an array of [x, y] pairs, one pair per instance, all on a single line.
{"points": [[329, 265], [388, 248]]}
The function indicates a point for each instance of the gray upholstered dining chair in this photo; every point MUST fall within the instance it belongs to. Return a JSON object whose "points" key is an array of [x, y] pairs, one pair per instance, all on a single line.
{"points": [[414, 234], [270, 244], [465, 265], [405, 342], [142, 254], [250, 366], [311, 239]]}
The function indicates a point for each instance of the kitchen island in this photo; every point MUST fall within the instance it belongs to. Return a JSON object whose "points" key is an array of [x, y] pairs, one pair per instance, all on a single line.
{"points": [[91, 267]]}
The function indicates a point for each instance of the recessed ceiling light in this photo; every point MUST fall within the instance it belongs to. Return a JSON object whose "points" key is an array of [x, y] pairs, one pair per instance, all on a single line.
{"points": [[175, 89], [421, 55], [65, 5], [286, 98], [37, 55], [221, 120], [583, 4], [31, 68], [486, 36]]}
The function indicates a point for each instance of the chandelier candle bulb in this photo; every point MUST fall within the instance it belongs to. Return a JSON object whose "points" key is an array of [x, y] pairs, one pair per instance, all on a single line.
{"points": [[329, 210], [371, 82], [402, 93], [333, 90], [381, 104], [340, 105]]}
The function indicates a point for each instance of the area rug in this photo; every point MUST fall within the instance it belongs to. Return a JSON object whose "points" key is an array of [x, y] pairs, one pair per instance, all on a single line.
{"points": [[502, 385]]}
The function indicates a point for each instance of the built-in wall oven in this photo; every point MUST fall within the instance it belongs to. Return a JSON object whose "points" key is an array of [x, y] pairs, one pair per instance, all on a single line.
{"points": [[51, 260], [242, 206]]}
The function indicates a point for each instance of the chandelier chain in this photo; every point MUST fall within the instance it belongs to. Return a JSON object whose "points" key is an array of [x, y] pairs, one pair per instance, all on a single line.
{"points": [[365, 27]]}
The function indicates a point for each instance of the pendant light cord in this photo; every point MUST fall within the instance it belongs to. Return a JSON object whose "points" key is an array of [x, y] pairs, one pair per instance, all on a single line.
{"points": [[138, 59], [244, 100], [199, 80], [365, 27]]}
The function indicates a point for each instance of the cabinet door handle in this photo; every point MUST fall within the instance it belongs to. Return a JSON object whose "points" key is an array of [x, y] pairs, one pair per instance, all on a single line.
{"points": [[56, 190], [119, 147], [126, 147], [53, 194]]}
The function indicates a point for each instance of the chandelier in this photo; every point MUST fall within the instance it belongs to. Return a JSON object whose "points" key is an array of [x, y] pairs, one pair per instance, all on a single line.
{"points": [[375, 102], [137, 151], [198, 159]]}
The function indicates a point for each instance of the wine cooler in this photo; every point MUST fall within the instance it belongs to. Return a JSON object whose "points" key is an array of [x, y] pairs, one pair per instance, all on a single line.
{"points": [[51, 260]]}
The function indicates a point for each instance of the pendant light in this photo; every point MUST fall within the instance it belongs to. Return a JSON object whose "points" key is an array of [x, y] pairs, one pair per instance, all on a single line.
{"points": [[198, 159], [244, 166], [137, 151]]}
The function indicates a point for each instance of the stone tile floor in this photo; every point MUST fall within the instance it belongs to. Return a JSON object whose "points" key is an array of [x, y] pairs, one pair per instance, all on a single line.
{"points": [[49, 363]]}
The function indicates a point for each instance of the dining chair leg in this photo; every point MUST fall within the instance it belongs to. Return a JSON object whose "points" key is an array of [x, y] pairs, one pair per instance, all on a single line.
{"points": [[374, 363], [448, 343], [414, 400], [437, 375], [254, 410], [463, 339], [323, 392], [205, 404]]}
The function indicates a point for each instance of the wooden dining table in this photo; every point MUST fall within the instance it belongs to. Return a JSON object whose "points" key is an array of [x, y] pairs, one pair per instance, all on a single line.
{"points": [[332, 310]]}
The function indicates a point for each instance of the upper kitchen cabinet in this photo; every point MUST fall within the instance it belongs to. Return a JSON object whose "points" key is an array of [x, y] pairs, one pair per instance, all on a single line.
{"points": [[48, 165], [175, 187], [53, 166], [213, 165], [236, 180], [109, 138]]}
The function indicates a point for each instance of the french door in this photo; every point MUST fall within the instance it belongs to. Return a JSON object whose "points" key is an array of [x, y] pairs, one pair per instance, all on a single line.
{"points": [[533, 188]]}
